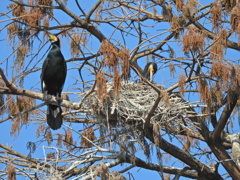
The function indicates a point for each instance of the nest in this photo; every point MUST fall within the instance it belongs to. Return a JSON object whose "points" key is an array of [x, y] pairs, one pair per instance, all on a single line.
{"points": [[135, 102]]}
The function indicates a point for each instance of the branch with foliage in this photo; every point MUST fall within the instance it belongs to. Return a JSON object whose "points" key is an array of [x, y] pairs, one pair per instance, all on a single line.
{"points": [[183, 124]]}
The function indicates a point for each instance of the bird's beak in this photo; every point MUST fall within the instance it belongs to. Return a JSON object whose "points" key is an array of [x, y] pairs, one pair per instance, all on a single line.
{"points": [[52, 37], [151, 70], [151, 73]]}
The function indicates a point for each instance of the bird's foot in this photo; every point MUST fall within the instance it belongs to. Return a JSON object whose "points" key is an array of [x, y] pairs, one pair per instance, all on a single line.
{"points": [[59, 99], [46, 97]]}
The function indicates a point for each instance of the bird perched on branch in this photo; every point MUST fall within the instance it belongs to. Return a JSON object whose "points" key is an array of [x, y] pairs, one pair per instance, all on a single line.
{"points": [[53, 76], [149, 70]]}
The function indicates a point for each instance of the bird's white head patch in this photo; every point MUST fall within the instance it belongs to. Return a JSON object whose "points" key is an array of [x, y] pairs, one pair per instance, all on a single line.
{"points": [[52, 38]]}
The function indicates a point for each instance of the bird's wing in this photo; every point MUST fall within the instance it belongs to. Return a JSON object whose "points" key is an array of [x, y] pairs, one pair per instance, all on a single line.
{"points": [[146, 71], [64, 75], [44, 68], [155, 67]]}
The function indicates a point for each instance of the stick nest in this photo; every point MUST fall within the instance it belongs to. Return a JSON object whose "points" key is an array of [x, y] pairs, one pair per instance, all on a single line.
{"points": [[135, 102]]}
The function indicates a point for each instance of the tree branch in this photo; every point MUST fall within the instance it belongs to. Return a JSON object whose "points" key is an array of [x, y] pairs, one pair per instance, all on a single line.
{"points": [[84, 24], [202, 169], [35, 5], [156, 167], [93, 9], [232, 101]]}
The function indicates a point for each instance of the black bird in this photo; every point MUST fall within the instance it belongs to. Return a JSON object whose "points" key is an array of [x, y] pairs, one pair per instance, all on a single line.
{"points": [[53, 76], [149, 70]]}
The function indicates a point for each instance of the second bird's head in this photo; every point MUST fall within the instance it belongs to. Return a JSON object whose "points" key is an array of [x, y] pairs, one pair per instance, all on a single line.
{"points": [[53, 38]]}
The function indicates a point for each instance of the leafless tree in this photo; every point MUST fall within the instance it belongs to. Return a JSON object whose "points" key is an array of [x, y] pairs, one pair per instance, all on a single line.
{"points": [[184, 124]]}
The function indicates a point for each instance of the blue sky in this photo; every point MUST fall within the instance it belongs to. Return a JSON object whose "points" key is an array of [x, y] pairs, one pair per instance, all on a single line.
{"points": [[28, 132]]}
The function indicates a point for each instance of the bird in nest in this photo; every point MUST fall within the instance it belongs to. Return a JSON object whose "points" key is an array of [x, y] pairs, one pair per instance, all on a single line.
{"points": [[149, 70], [53, 76]]}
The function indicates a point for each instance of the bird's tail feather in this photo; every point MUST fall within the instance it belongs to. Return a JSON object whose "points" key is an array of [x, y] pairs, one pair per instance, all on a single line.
{"points": [[54, 116], [146, 75]]}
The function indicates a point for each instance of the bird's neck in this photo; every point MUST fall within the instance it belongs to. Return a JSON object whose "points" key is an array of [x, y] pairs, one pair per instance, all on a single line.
{"points": [[151, 75], [56, 44]]}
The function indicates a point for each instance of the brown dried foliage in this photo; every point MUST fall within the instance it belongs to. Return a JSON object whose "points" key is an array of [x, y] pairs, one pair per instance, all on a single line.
{"points": [[176, 25], [103, 172], [204, 91], [181, 84], [46, 22], [110, 53], [217, 94], [117, 83], [33, 17], [46, 11], [40, 130], [12, 30], [66, 31], [220, 70], [190, 6], [15, 106], [217, 51], [179, 4], [75, 41], [229, 4], [49, 137], [216, 15], [167, 12], [89, 134], [166, 98], [68, 140], [2, 102], [111, 56], [22, 52], [123, 144], [172, 68], [235, 17], [15, 129], [223, 37], [167, 177], [59, 140], [205, 110], [31, 1], [101, 83], [116, 176], [234, 76], [2, 105], [44, 2], [124, 55], [187, 145], [98, 13], [51, 155], [11, 105], [11, 172], [17, 10], [238, 32], [23, 104], [186, 13], [193, 40], [36, 17]]}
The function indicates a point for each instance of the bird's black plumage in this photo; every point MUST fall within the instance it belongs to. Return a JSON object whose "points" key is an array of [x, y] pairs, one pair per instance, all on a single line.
{"points": [[53, 76], [149, 70]]}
